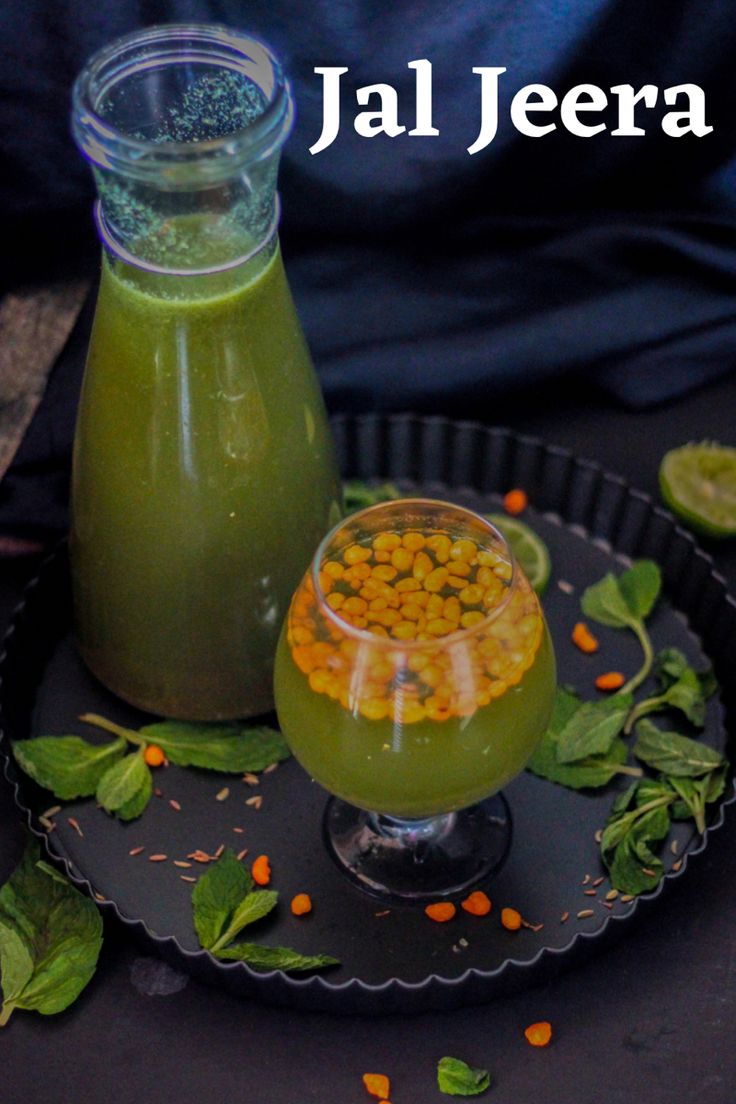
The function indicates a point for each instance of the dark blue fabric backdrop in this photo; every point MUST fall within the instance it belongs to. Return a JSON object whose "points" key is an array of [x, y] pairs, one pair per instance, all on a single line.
{"points": [[425, 276]]}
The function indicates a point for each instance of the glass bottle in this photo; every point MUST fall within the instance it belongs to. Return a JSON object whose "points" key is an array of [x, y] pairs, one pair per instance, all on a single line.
{"points": [[204, 473]]}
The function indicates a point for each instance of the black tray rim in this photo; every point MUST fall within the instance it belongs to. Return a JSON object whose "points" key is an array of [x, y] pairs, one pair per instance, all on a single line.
{"points": [[275, 986]]}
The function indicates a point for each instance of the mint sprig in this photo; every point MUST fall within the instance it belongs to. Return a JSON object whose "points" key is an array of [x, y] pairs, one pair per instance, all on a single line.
{"points": [[50, 939], [625, 603], [224, 903]]}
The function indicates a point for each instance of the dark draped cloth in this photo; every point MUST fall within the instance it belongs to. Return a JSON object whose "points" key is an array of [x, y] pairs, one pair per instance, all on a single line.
{"points": [[427, 278]]}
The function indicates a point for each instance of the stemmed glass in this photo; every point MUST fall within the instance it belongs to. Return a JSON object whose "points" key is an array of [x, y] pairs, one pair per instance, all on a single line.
{"points": [[414, 678]]}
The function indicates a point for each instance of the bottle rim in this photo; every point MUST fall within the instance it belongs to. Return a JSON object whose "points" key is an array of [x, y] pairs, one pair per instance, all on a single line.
{"points": [[180, 164]]}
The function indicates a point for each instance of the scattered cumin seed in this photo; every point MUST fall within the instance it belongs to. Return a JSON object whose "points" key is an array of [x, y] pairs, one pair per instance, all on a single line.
{"points": [[565, 587], [45, 822], [52, 811], [607, 904], [270, 768], [612, 895], [586, 879], [182, 863], [590, 893], [626, 897], [598, 835], [52, 828], [241, 854], [648, 872], [223, 794], [565, 917], [598, 881], [674, 846], [251, 779], [199, 856], [531, 927], [584, 914], [100, 896], [174, 804], [219, 851], [676, 865], [186, 878], [75, 825], [256, 801], [158, 793], [157, 858], [463, 942], [384, 912], [136, 850], [239, 831]]}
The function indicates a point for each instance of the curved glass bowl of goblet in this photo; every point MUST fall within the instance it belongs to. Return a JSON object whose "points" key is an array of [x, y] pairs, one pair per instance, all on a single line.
{"points": [[414, 678]]}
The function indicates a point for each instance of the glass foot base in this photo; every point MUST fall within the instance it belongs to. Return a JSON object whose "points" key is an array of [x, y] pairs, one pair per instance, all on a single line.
{"points": [[415, 860]]}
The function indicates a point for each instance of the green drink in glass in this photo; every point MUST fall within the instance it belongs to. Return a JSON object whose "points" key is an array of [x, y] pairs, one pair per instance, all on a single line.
{"points": [[414, 677]]}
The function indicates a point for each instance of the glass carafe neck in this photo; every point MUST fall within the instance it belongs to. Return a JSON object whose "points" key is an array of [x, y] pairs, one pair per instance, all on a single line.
{"points": [[183, 126]]}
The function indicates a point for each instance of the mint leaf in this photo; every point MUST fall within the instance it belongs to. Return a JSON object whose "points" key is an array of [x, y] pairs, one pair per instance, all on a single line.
{"points": [[629, 833], [671, 664], [55, 927], [456, 1078], [590, 772], [253, 907], [123, 785], [217, 895], [603, 602], [274, 958], [593, 728], [222, 747], [640, 587], [67, 765], [673, 754]]}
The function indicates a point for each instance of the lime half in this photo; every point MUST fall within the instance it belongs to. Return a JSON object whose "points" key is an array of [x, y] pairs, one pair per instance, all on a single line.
{"points": [[698, 483], [529, 549]]}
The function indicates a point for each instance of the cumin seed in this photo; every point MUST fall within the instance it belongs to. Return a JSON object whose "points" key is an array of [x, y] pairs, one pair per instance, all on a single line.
{"points": [[45, 822], [251, 779], [463, 942], [674, 846], [99, 896], [648, 872], [186, 878], [75, 825], [384, 912], [158, 793], [182, 863], [174, 804], [241, 854], [531, 927], [584, 914], [157, 858], [607, 904], [270, 768], [598, 881], [565, 917], [52, 811], [626, 898], [676, 865], [586, 879], [219, 851], [239, 831], [199, 856], [565, 587], [590, 893], [612, 895], [256, 801], [223, 794], [136, 850]]}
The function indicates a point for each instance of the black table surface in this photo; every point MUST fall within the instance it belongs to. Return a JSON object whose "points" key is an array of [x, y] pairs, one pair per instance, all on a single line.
{"points": [[650, 1019]]}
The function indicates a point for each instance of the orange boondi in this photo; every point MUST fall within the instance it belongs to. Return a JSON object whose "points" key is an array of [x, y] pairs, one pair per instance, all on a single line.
{"points": [[511, 919], [583, 638], [539, 1034], [611, 680], [154, 756], [301, 904], [377, 1084], [430, 587], [515, 502], [441, 912], [261, 870], [477, 904]]}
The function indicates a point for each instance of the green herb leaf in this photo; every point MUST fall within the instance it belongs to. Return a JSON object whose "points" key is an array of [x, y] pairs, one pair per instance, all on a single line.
{"points": [[456, 1078], [253, 907], [217, 895], [52, 926], [640, 587], [274, 958], [358, 494], [671, 664], [673, 754], [591, 772], [67, 765], [603, 602], [126, 787], [230, 748], [593, 728]]}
